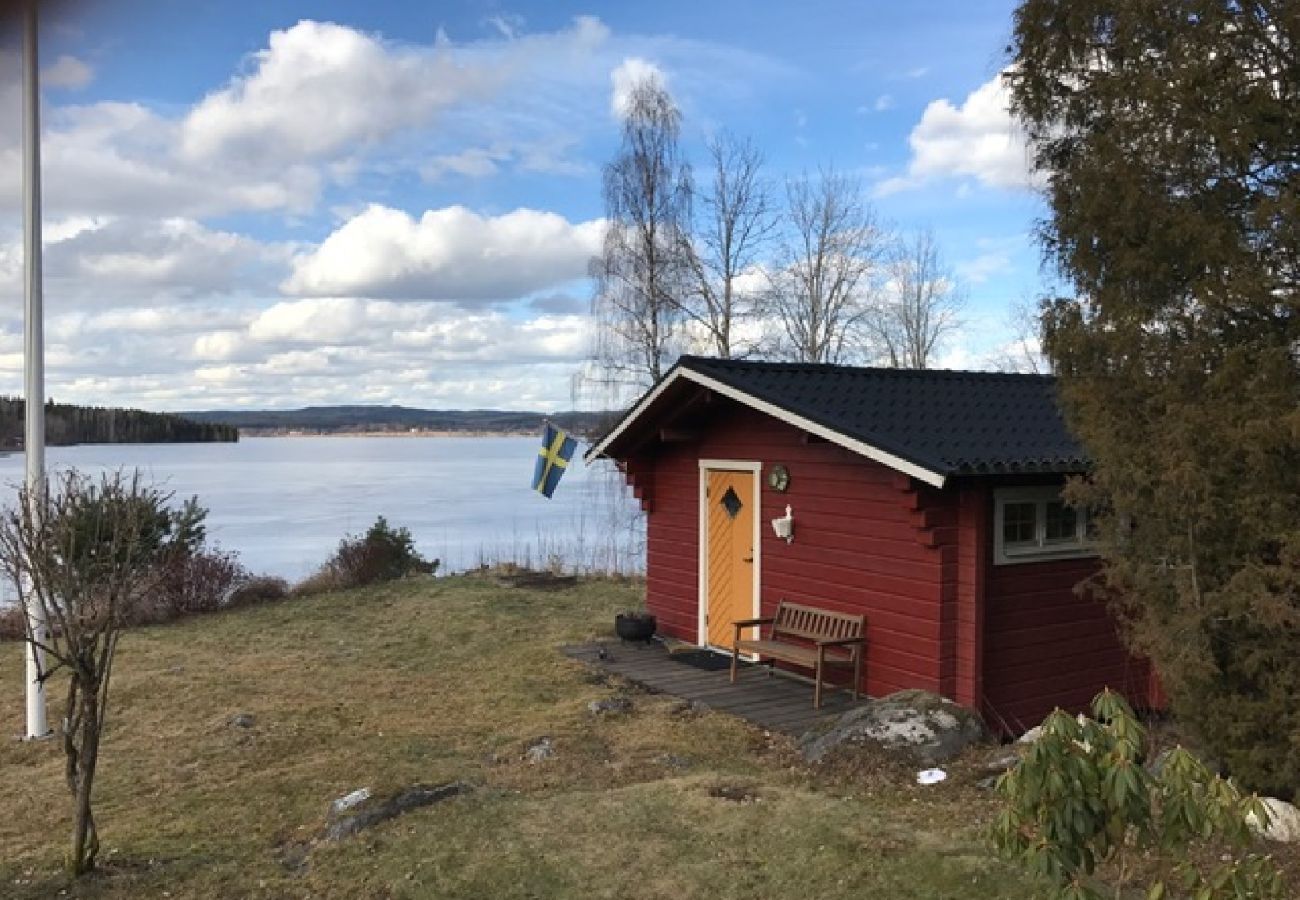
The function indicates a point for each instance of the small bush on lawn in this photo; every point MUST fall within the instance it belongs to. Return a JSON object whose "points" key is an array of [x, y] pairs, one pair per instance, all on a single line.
{"points": [[11, 624], [1081, 799], [258, 590], [383, 553], [192, 582]]}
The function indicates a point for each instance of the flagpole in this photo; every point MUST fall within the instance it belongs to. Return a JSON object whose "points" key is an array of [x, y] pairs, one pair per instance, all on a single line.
{"points": [[33, 348]]}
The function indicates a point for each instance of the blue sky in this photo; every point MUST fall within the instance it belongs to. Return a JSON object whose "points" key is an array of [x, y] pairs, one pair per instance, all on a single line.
{"points": [[395, 202]]}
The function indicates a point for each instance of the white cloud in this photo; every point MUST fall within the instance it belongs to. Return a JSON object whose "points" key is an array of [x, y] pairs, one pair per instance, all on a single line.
{"points": [[104, 261], [979, 139], [630, 73], [321, 350], [321, 88], [67, 72], [472, 162], [883, 102], [447, 254]]}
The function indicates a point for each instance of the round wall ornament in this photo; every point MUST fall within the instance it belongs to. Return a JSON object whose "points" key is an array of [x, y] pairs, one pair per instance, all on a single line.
{"points": [[778, 477]]}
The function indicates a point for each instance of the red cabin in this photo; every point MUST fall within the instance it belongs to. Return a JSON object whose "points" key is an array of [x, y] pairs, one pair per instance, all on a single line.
{"points": [[928, 500]]}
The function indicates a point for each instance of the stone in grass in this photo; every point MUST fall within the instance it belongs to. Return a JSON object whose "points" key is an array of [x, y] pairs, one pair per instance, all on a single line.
{"points": [[1283, 821], [539, 750], [610, 706], [347, 801], [243, 720], [687, 708], [930, 728], [371, 811], [673, 761]]}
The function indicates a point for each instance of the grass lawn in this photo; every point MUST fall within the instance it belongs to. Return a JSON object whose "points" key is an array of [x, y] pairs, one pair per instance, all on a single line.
{"points": [[432, 681]]}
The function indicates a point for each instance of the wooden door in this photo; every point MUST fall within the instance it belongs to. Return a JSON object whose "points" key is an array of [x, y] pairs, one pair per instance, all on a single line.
{"points": [[730, 559]]}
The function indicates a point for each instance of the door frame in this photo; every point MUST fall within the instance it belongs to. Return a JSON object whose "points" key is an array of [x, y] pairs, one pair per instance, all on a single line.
{"points": [[726, 465]]}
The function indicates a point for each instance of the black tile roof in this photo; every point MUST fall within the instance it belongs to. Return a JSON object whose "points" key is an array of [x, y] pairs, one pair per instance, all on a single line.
{"points": [[949, 422]]}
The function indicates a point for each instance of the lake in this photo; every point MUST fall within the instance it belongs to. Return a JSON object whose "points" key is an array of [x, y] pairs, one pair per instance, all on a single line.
{"points": [[284, 503]]}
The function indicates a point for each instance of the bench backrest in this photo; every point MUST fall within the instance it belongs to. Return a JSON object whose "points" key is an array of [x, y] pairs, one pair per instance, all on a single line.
{"points": [[814, 624]]}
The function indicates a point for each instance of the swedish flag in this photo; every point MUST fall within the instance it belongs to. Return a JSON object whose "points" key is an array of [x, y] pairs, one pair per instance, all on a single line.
{"points": [[552, 459]]}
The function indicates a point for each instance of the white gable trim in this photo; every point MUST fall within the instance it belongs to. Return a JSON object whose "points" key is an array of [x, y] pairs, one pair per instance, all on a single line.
{"points": [[864, 449]]}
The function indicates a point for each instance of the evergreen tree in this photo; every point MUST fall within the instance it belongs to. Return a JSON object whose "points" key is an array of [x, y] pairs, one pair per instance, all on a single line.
{"points": [[1166, 135]]}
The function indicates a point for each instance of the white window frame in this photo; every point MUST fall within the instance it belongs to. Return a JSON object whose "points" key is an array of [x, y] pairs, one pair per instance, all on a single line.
{"points": [[1040, 550]]}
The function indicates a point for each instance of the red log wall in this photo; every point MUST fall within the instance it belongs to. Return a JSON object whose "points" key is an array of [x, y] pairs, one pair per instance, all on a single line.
{"points": [[1013, 640], [863, 543]]}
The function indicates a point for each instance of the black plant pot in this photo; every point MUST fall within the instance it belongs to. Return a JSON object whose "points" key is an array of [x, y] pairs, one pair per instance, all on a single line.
{"points": [[634, 628]]}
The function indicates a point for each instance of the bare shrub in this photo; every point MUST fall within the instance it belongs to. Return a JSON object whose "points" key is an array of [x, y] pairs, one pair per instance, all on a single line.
{"points": [[80, 552], [258, 590], [190, 583], [383, 553], [11, 625]]}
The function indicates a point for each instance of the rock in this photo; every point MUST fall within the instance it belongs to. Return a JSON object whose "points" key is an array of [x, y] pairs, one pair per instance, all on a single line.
{"points": [[989, 782], [687, 708], [541, 749], [1283, 822], [1031, 736], [673, 761], [347, 801], [611, 706], [997, 763], [243, 720], [931, 728], [371, 812]]}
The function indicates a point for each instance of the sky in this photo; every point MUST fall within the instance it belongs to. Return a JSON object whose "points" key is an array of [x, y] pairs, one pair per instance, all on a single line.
{"points": [[282, 204]]}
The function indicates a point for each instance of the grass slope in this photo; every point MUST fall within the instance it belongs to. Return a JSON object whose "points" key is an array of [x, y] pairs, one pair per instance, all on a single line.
{"points": [[432, 681]]}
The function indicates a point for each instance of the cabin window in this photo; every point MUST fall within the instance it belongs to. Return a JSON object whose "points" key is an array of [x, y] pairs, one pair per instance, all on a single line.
{"points": [[1034, 523], [731, 503]]}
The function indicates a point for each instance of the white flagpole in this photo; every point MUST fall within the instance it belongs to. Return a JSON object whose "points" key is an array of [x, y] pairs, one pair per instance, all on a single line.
{"points": [[33, 345]]}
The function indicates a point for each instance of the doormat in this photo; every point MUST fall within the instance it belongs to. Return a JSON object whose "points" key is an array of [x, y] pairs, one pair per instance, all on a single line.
{"points": [[706, 660]]}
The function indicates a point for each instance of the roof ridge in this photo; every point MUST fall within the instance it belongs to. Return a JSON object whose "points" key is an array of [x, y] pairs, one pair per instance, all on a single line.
{"points": [[889, 371]]}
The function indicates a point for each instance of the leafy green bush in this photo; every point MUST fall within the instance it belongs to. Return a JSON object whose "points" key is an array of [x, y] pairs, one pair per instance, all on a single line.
{"points": [[1081, 798], [383, 553]]}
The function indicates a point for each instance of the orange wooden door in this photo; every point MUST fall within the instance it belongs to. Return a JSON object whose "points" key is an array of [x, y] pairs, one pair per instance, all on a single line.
{"points": [[730, 559]]}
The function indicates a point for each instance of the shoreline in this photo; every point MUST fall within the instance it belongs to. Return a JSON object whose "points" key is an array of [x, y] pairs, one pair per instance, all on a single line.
{"points": [[387, 434]]}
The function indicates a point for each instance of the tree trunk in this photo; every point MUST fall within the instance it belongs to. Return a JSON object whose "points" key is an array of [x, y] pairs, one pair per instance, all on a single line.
{"points": [[85, 839]]}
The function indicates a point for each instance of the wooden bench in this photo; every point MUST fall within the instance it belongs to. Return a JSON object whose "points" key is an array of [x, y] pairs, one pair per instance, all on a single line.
{"points": [[807, 636]]}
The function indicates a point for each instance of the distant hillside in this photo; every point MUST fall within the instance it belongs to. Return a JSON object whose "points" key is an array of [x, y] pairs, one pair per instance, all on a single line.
{"points": [[350, 419], [68, 424]]}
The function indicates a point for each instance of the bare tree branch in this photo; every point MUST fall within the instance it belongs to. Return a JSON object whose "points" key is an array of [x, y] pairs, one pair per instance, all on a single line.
{"points": [[921, 305], [825, 279], [735, 227]]}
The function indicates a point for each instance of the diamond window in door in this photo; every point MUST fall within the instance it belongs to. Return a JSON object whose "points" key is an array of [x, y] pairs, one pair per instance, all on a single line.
{"points": [[731, 503]]}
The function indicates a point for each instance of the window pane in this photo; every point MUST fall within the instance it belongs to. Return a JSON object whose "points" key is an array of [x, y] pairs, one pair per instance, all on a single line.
{"points": [[1019, 523], [731, 503], [1061, 524]]}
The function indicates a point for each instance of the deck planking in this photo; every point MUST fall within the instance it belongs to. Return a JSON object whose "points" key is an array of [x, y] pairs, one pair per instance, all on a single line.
{"points": [[775, 702]]}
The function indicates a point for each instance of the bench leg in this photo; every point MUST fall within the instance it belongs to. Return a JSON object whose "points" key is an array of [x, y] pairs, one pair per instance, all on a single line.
{"points": [[817, 691], [735, 655], [857, 673]]}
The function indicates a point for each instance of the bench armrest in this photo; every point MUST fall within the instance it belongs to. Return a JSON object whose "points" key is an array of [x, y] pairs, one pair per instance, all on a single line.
{"points": [[842, 642], [750, 623]]}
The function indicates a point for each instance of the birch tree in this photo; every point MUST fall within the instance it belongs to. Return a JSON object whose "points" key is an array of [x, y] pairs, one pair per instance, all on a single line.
{"points": [[825, 280], [735, 226], [920, 306], [643, 271]]}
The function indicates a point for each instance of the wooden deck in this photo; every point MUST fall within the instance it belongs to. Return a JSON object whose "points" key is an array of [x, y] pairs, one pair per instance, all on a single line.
{"points": [[777, 703]]}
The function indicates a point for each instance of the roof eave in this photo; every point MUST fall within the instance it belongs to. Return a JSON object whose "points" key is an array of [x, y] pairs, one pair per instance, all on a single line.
{"points": [[885, 458]]}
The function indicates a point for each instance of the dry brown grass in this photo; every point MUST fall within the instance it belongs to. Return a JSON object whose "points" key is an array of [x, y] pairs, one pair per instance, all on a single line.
{"points": [[429, 681]]}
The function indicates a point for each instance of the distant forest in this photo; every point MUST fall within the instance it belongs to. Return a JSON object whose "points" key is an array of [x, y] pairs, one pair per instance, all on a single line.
{"points": [[398, 419], [68, 424]]}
